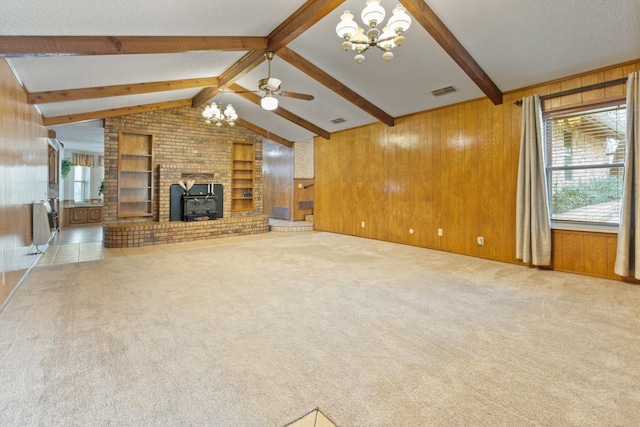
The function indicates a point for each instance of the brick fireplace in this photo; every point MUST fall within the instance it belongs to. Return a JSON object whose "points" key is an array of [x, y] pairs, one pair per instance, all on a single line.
{"points": [[184, 148], [142, 233]]}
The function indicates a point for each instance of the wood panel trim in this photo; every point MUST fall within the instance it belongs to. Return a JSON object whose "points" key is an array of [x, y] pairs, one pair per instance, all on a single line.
{"points": [[581, 107]]}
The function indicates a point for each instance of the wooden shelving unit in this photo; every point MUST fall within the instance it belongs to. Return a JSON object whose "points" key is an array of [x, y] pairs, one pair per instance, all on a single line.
{"points": [[242, 170], [135, 174]]}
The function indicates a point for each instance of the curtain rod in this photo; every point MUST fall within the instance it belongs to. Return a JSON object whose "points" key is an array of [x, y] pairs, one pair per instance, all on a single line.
{"points": [[579, 89]]}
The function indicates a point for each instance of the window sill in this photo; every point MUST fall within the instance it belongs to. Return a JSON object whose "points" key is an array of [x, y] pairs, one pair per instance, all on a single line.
{"points": [[595, 228]]}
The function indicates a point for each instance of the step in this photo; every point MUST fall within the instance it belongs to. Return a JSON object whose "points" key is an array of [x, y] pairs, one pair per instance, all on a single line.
{"points": [[279, 225]]}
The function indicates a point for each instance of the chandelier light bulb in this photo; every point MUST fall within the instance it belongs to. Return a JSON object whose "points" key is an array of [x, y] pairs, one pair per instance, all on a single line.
{"points": [[230, 113], [359, 38], [400, 20], [347, 27], [387, 39], [358, 58], [373, 13]]}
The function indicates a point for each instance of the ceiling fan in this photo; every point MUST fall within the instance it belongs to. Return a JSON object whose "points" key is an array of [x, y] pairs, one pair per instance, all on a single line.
{"points": [[270, 86]]}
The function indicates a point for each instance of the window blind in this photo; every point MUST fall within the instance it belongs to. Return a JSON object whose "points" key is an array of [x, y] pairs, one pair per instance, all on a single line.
{"points": [[585, 164]]}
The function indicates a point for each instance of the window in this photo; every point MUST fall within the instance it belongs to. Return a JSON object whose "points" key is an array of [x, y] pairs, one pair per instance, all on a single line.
{"points": [[585, 165], [81, 183]]}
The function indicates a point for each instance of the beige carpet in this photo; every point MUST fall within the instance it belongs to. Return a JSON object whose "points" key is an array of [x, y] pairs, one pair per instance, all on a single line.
{"points": [[260, 331]]}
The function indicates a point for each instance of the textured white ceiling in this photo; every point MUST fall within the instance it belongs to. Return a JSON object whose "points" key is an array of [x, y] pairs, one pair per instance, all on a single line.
{"points": [[144, 17], [517, 43]]}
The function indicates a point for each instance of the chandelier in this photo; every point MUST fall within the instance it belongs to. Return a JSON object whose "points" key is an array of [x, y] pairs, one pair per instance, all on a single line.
{"points": [[372, 15], [213, 114]]}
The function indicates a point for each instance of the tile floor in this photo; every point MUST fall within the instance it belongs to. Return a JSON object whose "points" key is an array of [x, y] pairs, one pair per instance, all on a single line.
{"points": [[74, 244], [314, 418]]}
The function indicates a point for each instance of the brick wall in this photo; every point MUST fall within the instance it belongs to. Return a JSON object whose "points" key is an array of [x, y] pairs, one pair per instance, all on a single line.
{"points": [[183, 145], [158, 233]]}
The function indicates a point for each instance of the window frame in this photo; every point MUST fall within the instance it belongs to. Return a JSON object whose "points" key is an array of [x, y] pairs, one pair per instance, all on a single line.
{"points": [[549, 169], [85, 182]]}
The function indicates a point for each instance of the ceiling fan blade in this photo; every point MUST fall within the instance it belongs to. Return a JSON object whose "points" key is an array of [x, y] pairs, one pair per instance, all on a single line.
{"points": [[298, 95]]}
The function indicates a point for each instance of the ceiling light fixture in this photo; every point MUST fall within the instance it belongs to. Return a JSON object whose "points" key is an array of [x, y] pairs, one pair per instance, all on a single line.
{"points": [[213, 114], [269, 102], [372, 15]]}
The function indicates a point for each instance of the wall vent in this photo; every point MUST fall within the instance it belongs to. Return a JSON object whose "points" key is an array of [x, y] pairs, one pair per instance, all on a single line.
{"points": [[443, 91], [306, 204], [338, 121]]}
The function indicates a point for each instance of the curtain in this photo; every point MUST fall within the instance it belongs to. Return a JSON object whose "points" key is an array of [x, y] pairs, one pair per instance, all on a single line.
{"points": [[533, 226], [628, 251], [82, 159]]}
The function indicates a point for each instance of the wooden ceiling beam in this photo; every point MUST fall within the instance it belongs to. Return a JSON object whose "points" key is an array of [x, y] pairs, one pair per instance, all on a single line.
{"points": [[422, 13], [301, 20], [264, 132], [285, 114], [20, 46], [311, 70], [114, 112], [237, 71], [118, 90]]}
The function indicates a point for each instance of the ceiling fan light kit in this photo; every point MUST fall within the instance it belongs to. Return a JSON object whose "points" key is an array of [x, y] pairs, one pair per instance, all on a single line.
{"points": [[270, 86], [372, 15], [269, 102]]}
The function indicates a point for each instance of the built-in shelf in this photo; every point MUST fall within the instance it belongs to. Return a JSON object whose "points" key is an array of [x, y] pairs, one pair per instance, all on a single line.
{"points": [[242, 170], [135, 174]]}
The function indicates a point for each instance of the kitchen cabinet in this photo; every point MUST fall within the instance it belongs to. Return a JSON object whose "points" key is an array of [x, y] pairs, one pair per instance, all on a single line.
{"points": [[82, 215]]}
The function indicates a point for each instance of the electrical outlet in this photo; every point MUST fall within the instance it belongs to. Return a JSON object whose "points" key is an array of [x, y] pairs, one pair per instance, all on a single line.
{"points": [[439, 232], [480, 241], [362, 224], [411, 231]]}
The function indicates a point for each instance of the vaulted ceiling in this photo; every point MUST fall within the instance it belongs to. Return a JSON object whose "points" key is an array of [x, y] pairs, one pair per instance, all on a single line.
{"points": [[81, 61]]}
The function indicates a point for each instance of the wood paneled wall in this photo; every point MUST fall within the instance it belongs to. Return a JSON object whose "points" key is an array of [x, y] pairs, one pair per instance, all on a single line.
{"points": [[278, 178], [23, 178], [453, 168]]}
